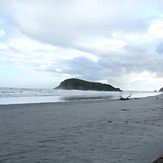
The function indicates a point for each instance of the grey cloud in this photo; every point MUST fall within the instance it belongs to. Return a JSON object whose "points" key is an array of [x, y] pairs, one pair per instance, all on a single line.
{"points": [[62, 23], [81, 67], [70, 24], [113, 66], [159, 47]]}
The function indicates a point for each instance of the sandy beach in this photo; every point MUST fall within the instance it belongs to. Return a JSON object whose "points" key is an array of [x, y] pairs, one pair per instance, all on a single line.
{"points": [[101, 131]]}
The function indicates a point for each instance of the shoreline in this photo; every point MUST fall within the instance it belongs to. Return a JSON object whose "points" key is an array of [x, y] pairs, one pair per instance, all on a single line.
{"points": [[82, 131], [21, 96], [57, 99]]}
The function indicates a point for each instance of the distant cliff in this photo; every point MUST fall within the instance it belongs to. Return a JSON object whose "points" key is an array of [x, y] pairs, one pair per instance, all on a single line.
{"points": [[78, 84], [161, 90]]}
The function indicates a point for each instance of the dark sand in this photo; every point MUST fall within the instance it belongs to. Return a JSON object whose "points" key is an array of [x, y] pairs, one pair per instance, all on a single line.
{"points": [[82, 132]]}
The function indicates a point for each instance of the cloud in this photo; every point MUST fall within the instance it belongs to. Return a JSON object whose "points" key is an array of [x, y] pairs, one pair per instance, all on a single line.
{"points": [[2, 32], [3, 46], [92, 39], [40, 56], [70, 24], [62, 23]]}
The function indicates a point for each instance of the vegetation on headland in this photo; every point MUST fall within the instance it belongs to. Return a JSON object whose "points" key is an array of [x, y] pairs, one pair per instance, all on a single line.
{"points": [[78, 84]]}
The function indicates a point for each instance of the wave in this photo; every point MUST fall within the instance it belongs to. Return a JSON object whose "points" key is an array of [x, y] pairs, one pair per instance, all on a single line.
{"points": [[24, 95]]}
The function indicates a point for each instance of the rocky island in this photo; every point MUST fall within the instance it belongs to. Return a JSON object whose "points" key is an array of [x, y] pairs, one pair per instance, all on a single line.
{"points": [[78, 84], [161, 90]]}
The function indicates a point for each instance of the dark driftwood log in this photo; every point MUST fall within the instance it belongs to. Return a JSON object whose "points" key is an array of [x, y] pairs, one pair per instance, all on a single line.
{"points": [[125, 98], [122, 98], [159, 159]]}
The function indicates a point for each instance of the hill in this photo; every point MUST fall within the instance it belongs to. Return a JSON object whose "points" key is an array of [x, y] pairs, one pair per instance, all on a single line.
{"points": [[78, 84], [161, 90]]}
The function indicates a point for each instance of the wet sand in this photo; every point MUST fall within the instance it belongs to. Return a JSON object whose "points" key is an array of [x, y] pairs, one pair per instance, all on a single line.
{"points": [[101, 131]]}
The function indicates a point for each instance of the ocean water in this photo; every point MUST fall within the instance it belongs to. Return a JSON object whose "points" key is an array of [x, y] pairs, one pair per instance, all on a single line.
{"points": [[24, 95]]}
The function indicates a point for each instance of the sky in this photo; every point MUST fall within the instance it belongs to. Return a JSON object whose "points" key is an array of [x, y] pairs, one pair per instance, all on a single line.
{"points": [[43, 42]]}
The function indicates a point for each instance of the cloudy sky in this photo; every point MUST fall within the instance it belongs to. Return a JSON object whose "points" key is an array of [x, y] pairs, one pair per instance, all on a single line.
{"points": [[43, 42]]}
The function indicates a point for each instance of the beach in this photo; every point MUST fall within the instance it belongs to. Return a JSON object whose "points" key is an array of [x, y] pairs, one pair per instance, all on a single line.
{"points": [[98, 131]]}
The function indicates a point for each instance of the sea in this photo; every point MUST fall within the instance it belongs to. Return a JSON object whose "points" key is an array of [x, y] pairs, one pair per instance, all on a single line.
{"points": [[26, 95]]}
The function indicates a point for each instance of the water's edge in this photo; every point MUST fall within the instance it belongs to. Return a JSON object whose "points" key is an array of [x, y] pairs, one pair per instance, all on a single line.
{"points": [[22, 96]]}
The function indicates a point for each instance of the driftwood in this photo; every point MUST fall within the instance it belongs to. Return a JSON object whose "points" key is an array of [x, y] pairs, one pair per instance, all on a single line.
{"points": [[159, 159], [125, 98]]}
